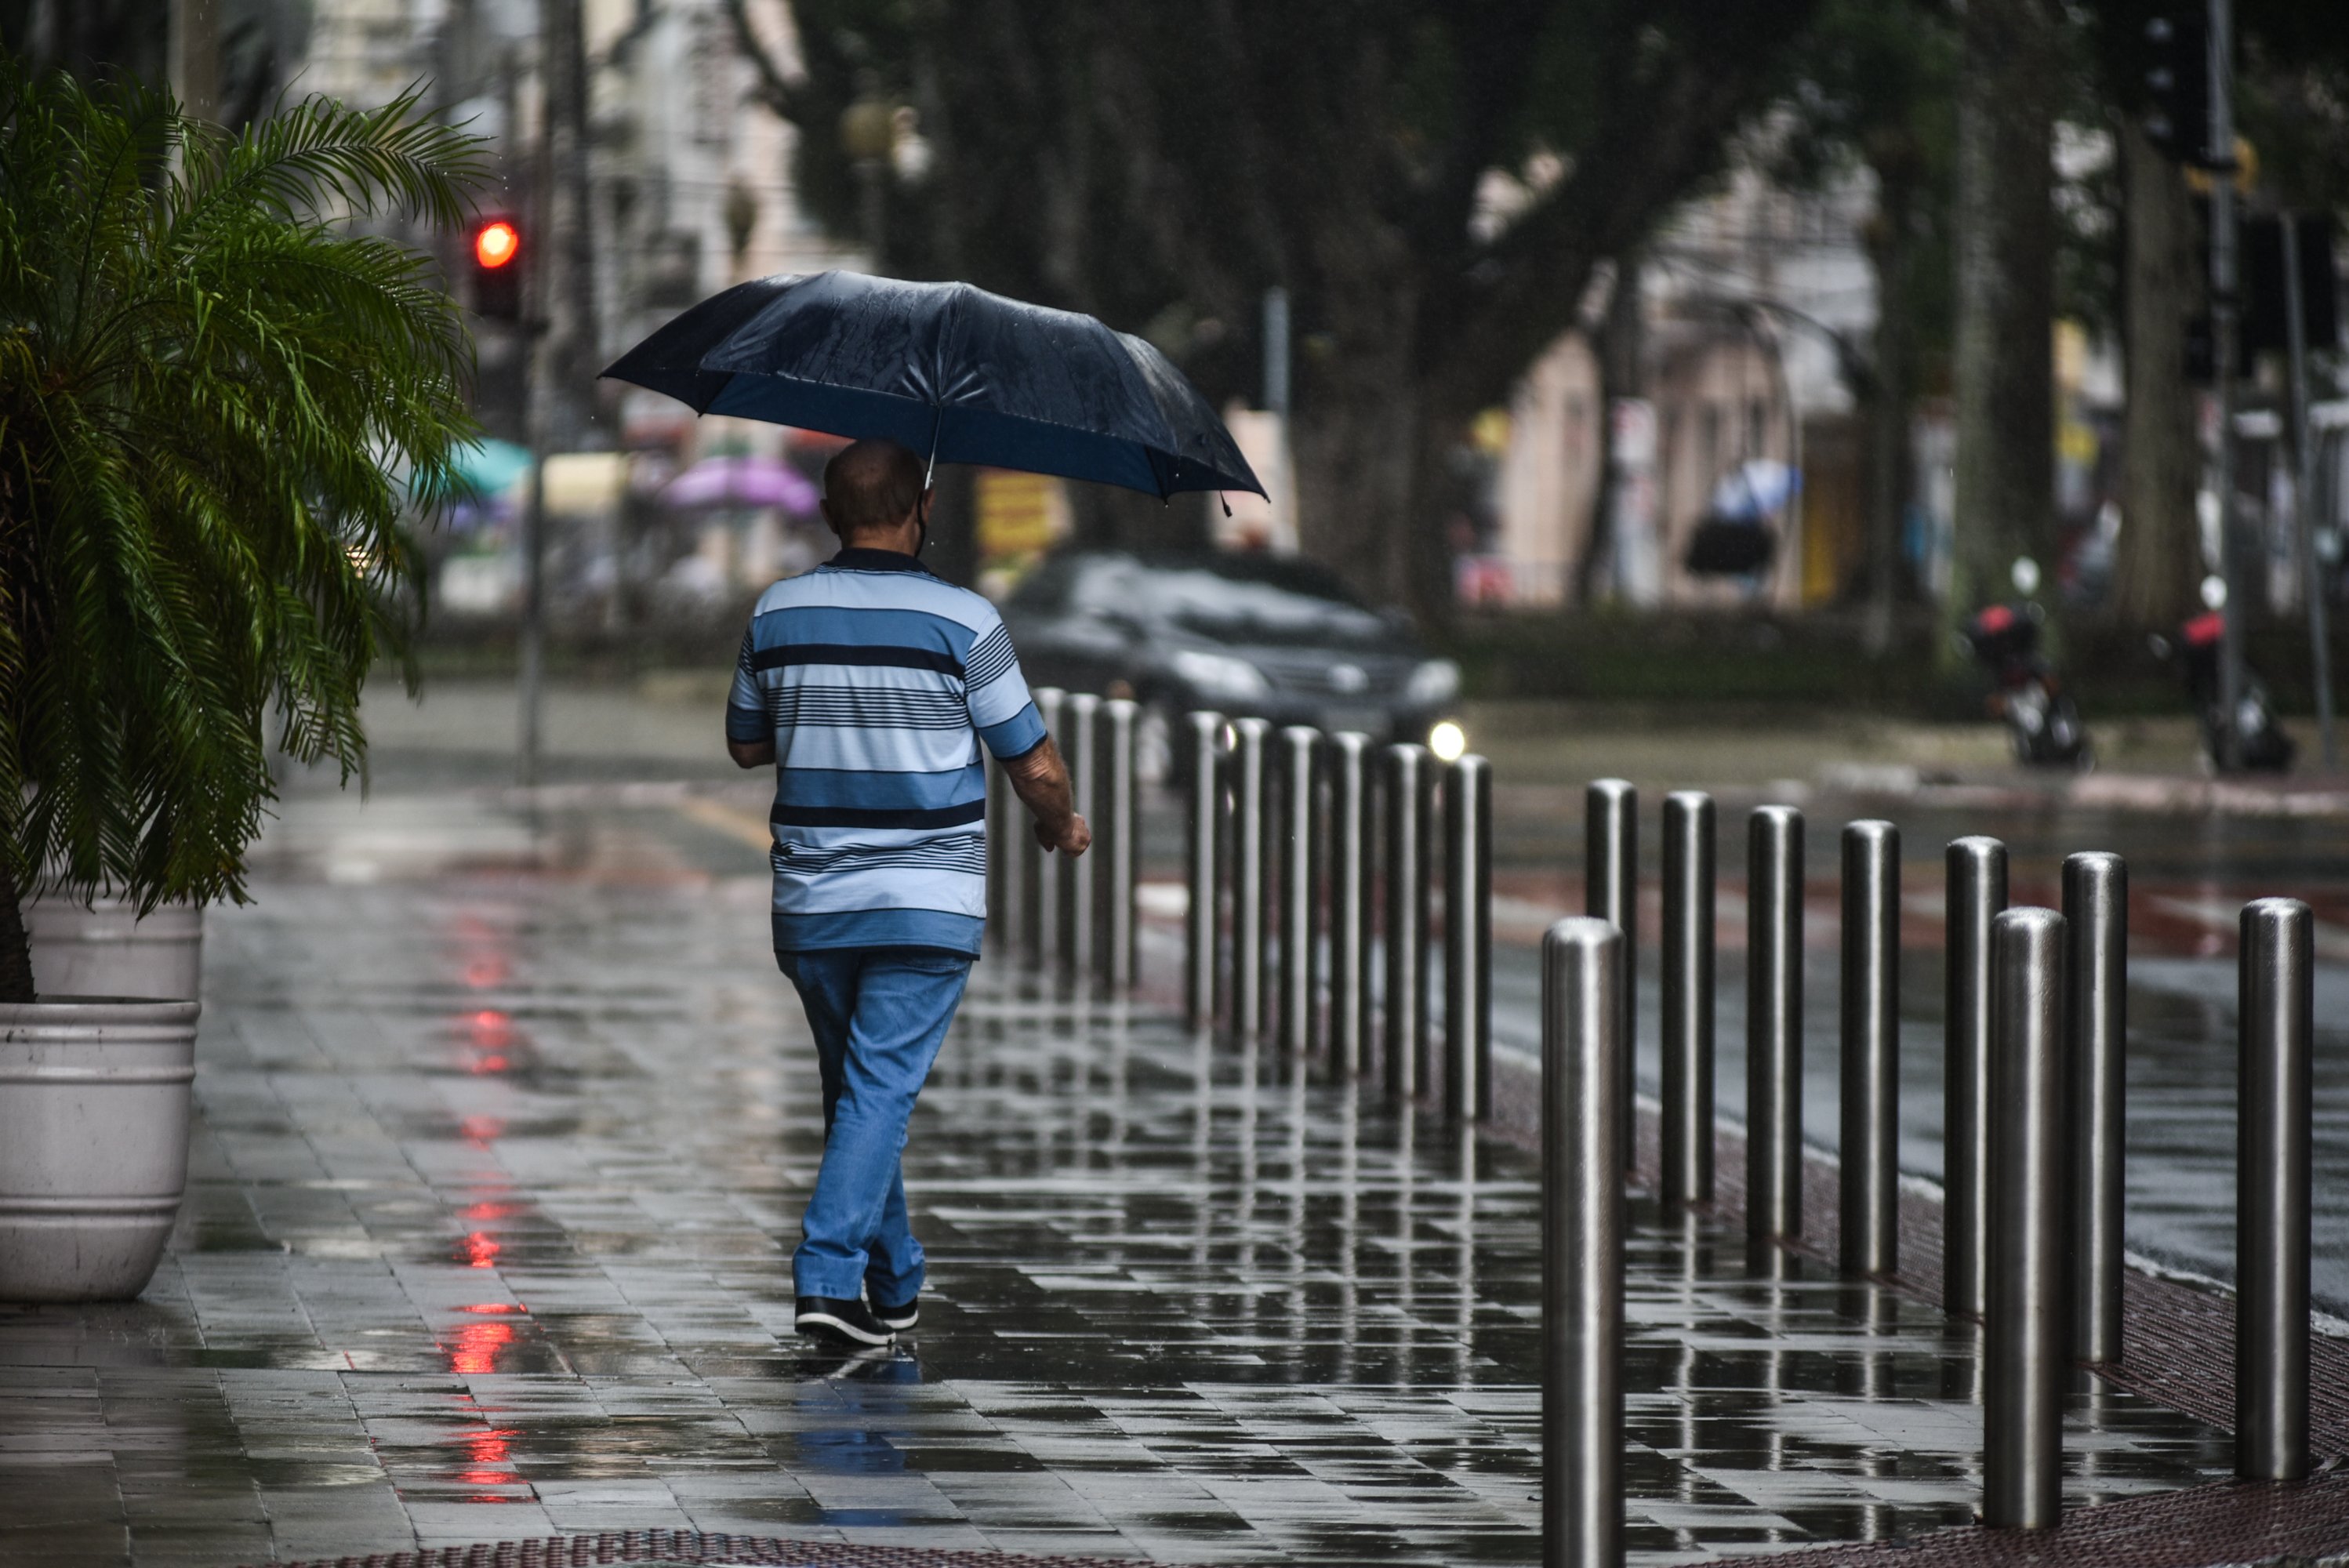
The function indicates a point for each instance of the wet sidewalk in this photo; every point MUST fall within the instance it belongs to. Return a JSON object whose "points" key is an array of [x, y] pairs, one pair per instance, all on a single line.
{"points": [[499, 1161]]}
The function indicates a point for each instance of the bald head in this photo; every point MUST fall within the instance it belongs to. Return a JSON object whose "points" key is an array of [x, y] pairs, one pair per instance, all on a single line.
{"points": [[871, 486]]}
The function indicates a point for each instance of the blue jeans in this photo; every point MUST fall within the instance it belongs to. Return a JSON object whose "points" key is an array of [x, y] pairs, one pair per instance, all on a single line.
{"points": [[879, 1015]]}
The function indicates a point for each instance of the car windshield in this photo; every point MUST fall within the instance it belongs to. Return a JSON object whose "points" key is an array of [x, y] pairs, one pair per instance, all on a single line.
{"points": [[1249, 599]]}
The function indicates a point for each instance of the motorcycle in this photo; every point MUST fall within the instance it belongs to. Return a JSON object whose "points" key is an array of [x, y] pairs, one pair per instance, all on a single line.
{"points": [[2043, 722], [2264, 746]]}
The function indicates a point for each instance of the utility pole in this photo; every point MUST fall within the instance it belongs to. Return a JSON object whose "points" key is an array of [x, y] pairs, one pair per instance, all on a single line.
{"points": [[195, 57], [2224, 304]]}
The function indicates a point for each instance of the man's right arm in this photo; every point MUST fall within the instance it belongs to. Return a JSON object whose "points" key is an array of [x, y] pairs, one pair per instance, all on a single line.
{"points": [[1041, 780], [749, 738]]}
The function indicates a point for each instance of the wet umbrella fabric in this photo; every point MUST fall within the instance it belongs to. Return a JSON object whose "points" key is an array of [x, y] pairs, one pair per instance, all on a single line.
{"points": [[953, 372]]}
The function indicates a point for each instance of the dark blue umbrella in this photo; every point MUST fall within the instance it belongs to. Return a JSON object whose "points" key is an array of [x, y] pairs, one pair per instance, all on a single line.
{"points": [[948, 370]]}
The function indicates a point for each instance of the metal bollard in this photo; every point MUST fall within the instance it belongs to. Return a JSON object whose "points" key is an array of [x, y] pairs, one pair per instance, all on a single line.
{"points": [[1040, 884], [1977, 891], [1081, 749], [1350, 901], [2095, 921], [2276, 974], [1468, 938], [1774, 1029], [1870, 1143], [1583, 1089], [1202, 920], [1406, 858], [1006, 833], [1249, 802], [1688, 1000], [2022, 1329], [1114, 853], [1610, 892], [1298, 903]]}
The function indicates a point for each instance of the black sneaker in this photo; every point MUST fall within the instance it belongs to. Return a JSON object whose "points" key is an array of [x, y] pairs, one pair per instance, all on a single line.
{"points": [[900, 1319], [841, 1322]]}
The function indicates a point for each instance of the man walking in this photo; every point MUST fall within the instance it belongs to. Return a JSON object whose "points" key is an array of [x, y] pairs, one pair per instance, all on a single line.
{"points": [[871, 685]]}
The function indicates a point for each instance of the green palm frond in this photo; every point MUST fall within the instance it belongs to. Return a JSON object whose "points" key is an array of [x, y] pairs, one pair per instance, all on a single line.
{"points": [[210, 386]]}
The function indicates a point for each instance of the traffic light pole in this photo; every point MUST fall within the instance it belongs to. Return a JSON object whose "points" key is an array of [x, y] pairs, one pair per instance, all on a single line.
{"points": [[2223, 307]]}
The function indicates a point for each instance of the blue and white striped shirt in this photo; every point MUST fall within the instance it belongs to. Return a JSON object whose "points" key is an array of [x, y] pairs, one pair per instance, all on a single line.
{"points": [[878, 683]]}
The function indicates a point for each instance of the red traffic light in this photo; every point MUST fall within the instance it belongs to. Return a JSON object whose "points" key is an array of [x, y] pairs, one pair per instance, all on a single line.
{"points": [[496, 243]]}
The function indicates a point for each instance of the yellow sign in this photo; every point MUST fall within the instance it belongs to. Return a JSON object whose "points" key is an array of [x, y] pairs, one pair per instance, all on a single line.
{"points": [[1018, 514]]}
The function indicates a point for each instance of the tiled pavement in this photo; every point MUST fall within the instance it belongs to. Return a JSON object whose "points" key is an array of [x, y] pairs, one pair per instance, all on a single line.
{"points": [[496, 1176]]}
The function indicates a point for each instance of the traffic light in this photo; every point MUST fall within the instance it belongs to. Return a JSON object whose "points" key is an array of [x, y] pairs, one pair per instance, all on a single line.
{"points": [[497, 269], [2178, 83]]}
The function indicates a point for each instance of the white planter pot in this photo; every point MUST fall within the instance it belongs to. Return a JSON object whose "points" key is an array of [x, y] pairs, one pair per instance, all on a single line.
{"points": [[93, 1143], [106, 950]]}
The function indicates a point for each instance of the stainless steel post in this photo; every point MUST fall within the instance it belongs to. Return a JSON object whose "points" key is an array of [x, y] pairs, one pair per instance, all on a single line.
{"points": [[1583, 1090], [1114, 850], [2096, 919], [1405, 998], [1081, 749], [1610, 892], [1977, 891], [1350, 901], [1039, 880], [1688, 1001], [1773, 1028], [1202, 920], [1298, 903], [2271, 1190], [1248, 803], [2022, 1329], [1468, 938], [1870, 1142]]}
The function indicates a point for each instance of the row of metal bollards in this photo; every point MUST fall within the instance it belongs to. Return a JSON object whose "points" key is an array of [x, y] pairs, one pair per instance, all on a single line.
{"points": [[1073, 918], [1314, 880], [2035, 1046]]}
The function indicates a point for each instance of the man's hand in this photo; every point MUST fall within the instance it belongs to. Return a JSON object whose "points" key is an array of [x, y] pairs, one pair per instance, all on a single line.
{"points": [[1041, 782]]}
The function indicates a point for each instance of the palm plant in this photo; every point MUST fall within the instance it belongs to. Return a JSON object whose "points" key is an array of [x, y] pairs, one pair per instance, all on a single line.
{"points": [[215, 398]]}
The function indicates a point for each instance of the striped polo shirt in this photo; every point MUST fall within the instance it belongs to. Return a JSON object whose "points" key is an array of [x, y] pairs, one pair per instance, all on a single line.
{"points": [[878, 683]]}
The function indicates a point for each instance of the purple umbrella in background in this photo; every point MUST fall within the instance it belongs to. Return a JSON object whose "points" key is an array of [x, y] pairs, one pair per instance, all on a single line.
{"points": [[742, 483]]}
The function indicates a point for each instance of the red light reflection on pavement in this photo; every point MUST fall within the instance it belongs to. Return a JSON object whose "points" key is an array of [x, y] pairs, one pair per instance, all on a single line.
{"points": [[482, 1253], [475, 1354], [482, 1130], [490, 1032]]}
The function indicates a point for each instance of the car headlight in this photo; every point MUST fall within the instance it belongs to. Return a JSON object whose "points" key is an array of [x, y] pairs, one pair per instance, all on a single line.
{"points": [[1433, 684], [1220, 676]]}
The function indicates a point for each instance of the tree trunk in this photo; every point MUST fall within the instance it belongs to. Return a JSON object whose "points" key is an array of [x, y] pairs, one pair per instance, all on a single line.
{"points": [[1893, 390], [568, 301], [1621, 345], [2159, 558], [2005, 298], [15, 950], [1355, 436]]}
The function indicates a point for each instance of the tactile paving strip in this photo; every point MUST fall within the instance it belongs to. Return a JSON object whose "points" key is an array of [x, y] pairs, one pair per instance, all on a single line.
{"points": [[672, 1546], [2239, 1522]]}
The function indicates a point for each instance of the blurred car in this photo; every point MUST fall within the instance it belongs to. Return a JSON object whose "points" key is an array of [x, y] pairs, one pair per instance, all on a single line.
{"points": [[1271, 636]]}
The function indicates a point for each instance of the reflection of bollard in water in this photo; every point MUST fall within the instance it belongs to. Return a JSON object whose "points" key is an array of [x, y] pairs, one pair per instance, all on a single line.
{"points": [[1202, 920], [2095, 922], [1583, 1090], [1977, 891], [1116, 785], [1406, 865], [1298, 903], [1006, 823], [1040, 880], [1870, 1143], [1468, 938], [1348, 837], [2276, 978], [1081, 746], [1773, 1032], [1610, 892], [1246, 783], [2025, 1318], [1686, 952]]}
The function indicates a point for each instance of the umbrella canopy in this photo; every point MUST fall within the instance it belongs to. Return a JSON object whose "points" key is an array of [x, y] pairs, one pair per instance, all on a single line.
{"points": [[1754, 490], [741, 481], [953, 372]]}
